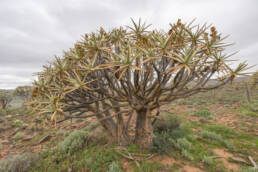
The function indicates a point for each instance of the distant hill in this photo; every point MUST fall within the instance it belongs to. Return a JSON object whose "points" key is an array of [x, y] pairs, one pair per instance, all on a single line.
{"points": [[238, 79]]}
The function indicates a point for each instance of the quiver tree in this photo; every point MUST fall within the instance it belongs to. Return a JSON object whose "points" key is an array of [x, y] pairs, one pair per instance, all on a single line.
{"points": [[129, 73], [23, 92], [254, 80], [5, 98]]}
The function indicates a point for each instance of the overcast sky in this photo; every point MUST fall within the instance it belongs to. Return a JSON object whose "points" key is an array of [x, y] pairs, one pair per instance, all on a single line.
{"points": [[33, 31]]}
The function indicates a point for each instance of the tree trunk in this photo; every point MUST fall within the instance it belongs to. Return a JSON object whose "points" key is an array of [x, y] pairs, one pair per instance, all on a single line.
{"points": [[144, 132], [3, 105], [247, 93], [123, 137]]}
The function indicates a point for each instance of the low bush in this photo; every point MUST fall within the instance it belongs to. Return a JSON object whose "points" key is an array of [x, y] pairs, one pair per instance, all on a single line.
{"points": [[208, 160], [161, 143], [73, 142], [169, 123], [184, 146], [211, 135], [18, 163], [114, 167]]}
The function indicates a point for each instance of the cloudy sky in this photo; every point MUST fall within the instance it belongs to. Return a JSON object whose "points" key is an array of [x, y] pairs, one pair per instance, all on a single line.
{"points": [[33, 31]]}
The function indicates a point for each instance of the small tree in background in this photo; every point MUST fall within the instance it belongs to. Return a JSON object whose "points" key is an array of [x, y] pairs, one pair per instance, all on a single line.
{"points": [[254, 80], [24, 92], [5, 98], [130, 73]]}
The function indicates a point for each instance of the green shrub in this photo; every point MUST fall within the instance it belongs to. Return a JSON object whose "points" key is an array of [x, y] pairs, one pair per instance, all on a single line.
{"points": [[91, 126], [229, 145], [182, 143], [169, 123], [161, 143], [114, 167], [208, 160], [187, 154], [184, 146], [18, 163], [211, 135], [73, 142]]}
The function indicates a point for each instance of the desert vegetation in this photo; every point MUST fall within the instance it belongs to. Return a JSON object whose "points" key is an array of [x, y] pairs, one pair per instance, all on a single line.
{"points": [[135, 99], [132, 72]]}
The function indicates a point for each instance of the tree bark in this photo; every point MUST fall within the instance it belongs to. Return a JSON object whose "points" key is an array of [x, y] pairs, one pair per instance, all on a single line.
{"points": [[144, 130], [3, 105], [248, 93]]}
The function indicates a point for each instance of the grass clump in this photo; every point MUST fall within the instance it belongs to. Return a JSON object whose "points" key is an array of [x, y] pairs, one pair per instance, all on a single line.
{"points": [[208, 160], [18, 163], [18, 136], [217, 137], [205, 113], [17, 123], [249, 169], [114, 167], [211, 135], [184, 146]]}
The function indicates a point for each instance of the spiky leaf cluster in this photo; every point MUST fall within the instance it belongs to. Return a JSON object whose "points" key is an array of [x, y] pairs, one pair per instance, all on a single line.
{"points": [[133, 67]]}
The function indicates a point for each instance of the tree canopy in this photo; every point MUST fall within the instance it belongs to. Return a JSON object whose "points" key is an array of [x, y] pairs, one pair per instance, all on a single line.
{"points": [[130, 72]]}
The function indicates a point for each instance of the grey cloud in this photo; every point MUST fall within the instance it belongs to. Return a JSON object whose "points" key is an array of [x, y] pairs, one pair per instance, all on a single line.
{"points": [[32, 32]]}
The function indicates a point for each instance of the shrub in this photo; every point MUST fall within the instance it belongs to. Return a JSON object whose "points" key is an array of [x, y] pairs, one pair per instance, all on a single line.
{"points": [[18, 163], [168, 123], [203, 112], [114, 167], [164, 131], [211, 135], [184, 146], [187, 154], [73, 142], [161, 143], [208, 160]]}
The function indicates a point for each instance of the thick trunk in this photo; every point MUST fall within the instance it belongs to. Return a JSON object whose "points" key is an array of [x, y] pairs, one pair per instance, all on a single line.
{"points": [[144, 131], [3, 105], [123, 137]]}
